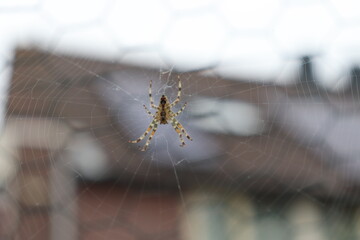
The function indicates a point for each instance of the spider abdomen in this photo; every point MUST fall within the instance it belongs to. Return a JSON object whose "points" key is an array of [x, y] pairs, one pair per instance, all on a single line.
{"points": [[163, 117], [163, 110]]}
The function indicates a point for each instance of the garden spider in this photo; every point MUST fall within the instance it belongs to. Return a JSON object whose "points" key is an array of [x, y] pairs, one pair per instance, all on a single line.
{"points": [[163, 115]]}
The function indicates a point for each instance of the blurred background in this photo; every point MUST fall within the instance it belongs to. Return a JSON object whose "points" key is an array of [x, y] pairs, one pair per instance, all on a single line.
{"points": [[273, 107]]}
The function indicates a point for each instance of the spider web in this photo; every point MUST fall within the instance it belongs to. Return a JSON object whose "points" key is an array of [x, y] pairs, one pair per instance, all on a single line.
{"points": [[272, 108]]}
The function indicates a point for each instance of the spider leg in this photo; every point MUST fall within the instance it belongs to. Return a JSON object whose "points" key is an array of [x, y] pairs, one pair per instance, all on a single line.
{"points": [[151, 126], [150, 96], [182, 129], [150, 137], [148, 111], [178, 95], [173, 123], [182, 109]]}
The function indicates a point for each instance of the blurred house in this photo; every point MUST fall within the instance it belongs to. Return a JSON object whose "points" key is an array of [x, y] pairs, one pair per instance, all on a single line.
{"points": [[266, 162]]}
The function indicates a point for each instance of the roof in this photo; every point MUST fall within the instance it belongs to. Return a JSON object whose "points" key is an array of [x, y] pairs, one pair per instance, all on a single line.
{"points": [[104, 100]]}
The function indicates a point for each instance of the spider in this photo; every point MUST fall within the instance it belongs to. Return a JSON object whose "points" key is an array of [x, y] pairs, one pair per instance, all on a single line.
{"points": [[163, 115]]}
